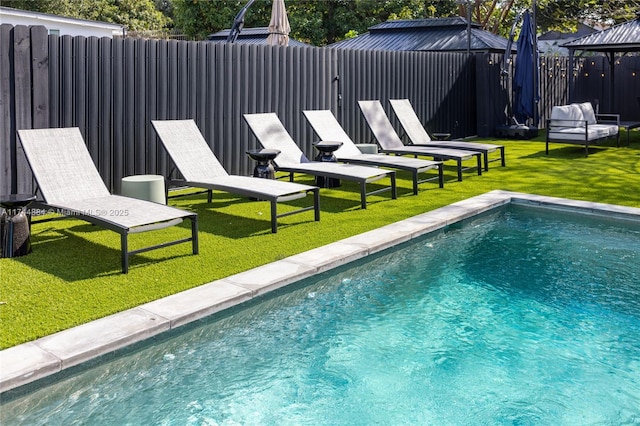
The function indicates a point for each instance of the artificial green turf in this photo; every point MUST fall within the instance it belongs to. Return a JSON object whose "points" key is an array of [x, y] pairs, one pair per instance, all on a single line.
{"points": [[73, 275]]}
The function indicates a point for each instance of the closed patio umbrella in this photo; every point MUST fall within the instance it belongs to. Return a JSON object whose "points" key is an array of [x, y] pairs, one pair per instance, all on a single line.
{"points": [[279, 26], [525, 92]]}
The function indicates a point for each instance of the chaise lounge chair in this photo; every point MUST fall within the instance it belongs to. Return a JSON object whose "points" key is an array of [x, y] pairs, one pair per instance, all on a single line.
{"points": [[271, 134], [390, 142], [327, 128], [419, 137], [70, 184], [201, 169]]}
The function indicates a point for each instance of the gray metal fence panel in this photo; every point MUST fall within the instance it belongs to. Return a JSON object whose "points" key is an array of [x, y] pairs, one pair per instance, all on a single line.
{"points": [[23, 106], [554, 78], [118, 114], [627, 87], [111, 89], [7, 124], [65, 45]]}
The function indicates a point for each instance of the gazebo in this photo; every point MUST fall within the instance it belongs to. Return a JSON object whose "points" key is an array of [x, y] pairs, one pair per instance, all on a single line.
{"points": [[257, 35], [427, 35], [620, 39]]}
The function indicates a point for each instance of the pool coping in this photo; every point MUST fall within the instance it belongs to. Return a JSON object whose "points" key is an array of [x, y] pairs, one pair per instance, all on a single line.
{"points": [[31, 361]]}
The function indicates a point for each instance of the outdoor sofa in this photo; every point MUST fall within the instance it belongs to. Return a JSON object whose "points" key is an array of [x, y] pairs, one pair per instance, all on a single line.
{"points": [[577, 123]]}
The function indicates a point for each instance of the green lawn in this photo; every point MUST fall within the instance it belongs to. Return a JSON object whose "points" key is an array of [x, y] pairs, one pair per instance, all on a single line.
{"points": [[73, 275]]}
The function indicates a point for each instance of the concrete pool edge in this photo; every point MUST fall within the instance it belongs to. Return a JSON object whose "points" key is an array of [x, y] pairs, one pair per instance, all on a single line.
{"points": [[29, 362]]}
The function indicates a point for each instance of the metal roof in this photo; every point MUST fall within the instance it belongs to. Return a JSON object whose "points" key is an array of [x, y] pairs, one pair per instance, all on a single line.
{"points": [[9, 11], [257, 35], [443, 34], [623, 37], [582, 31], [422, 23]]}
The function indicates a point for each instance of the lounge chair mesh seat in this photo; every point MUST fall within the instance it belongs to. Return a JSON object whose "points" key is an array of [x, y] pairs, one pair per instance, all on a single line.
{"points": [[70, 184], [200, 168], [418, 135], [271, 134], [328, 128], [390, 142]]}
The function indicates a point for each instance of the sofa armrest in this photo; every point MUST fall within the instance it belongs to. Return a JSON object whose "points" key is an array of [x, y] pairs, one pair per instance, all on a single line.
{"points": [[608, 118], [563, 123]]}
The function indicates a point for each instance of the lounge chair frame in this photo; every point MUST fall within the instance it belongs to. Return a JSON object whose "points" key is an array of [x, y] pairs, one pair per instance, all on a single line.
{"points": [[327, 127], [390, 143], [417, 135], [360, 174], [123, 230], [97, 206], [218, 179]]}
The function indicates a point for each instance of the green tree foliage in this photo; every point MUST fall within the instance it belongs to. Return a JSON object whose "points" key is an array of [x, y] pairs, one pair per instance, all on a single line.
{"points": [[315, 21], [321, 22], [564, 15], [136, 15]]}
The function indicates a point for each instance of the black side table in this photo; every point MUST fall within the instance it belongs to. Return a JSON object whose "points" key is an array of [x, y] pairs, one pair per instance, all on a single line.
{"points": [[264, 167], [442, 136], [326, 154], [14, 225]]}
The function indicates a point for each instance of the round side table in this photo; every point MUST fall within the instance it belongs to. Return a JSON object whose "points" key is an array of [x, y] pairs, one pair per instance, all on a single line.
{"points": [[14, 224], [326, 154], [144, 187], [264, 168], [442, 136]]}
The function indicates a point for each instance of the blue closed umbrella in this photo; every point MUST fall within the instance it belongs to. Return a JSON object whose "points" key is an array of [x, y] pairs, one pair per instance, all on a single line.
{"points": [[525, 93]]}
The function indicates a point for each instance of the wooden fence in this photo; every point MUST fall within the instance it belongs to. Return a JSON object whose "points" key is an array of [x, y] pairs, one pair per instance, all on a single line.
{"points": [[112, 88]]}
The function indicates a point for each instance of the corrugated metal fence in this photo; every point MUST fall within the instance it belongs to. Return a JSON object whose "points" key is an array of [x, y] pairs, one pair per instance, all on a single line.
{"points": [[112, 88]]}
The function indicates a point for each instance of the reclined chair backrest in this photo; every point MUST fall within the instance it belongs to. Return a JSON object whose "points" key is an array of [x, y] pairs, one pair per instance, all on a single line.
{"points": [[409, 120], [272, 134], [328, 128], [189, 151], [62, 166], [380, 125]]}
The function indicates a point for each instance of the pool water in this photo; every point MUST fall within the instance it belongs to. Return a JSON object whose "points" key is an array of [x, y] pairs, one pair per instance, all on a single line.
{"points": [[524, 316]]}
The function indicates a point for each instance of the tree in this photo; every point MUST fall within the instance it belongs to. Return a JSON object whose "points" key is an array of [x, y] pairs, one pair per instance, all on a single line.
{"points": [[136, 15], [318, 22], [321, 22], [566, 14], [198, 18], [497, 16]]}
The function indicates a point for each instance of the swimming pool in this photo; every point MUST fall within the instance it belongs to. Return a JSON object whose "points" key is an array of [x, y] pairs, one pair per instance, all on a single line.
{"points": [[512, 317]]}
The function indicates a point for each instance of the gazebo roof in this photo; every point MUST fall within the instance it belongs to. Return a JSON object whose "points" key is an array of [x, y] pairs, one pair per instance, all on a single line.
{"points": [[256, 35], [623, 37], [441, 34]]}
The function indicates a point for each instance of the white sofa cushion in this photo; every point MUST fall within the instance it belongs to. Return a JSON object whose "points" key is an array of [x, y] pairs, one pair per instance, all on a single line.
{"points": [[578, 133], [590, 116], [609, 129], [567, 116], [587, 112]]}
